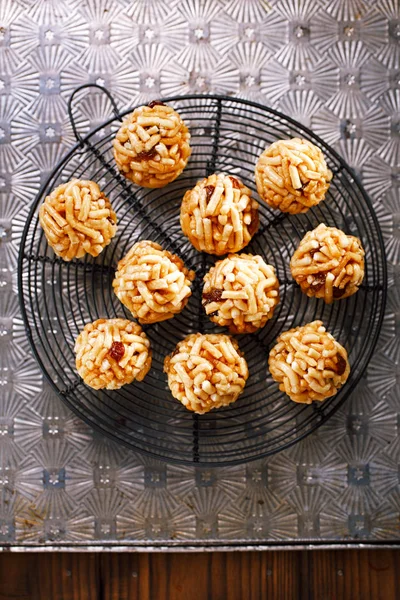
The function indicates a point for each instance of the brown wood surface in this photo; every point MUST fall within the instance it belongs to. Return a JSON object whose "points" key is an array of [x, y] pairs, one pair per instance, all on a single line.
{"points": [[280, 575]]}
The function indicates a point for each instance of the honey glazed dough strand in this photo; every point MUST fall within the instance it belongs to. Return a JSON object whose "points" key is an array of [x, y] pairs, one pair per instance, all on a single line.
{"points": [[292, 175]]}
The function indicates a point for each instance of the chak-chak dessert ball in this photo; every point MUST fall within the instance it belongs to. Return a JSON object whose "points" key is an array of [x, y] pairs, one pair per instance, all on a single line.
{"points": [[152, 147], [152, 283], [292, 175], [328, 264], [308, 363], [77, 219], [219, 215], [241, 292], [111, 353], [206, 371]]}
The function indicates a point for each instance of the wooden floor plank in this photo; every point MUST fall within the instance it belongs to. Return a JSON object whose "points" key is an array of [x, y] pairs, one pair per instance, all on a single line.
{"points": [[120, 576], [188, 576], [234, 575], [350, 575], [379, 566], [217, 575], [15, 577], [55, 576], [158, 576], [300, 575], [283, 575]]}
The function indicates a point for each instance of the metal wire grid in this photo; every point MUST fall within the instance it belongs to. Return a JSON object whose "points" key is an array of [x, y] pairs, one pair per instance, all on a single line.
{"points": [[58, 298]]}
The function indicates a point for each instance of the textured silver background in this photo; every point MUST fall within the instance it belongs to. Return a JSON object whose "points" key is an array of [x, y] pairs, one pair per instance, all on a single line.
{"points": [[334, 66]]}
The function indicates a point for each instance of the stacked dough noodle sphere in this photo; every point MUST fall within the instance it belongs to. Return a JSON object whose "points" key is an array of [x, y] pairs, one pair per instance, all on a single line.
{"points": [[308, 363], [292, 175], [152, 283], [218, 215], [77, 219], [328, 264], [206, 371], [111, 353], [241, 292], [152, 145]]}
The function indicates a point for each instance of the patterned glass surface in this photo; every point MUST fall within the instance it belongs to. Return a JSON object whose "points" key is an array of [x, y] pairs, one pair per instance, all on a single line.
{"points": [[335, 67]]}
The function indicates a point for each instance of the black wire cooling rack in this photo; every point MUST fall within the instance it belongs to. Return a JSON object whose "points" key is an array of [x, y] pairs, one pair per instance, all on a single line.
{"points": [[59, 298]]}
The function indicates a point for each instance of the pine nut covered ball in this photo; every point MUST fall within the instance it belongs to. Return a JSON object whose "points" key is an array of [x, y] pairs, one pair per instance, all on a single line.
{"points": [[328, 264], [218, 215], [241, 292], [152, 147], [206, 371], [152, 283], [77, 219], [292, 175], [111, 353], [308, 363]]}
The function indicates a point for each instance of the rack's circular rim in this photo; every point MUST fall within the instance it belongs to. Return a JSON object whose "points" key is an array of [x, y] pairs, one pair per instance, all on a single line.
{"points": [[80, 144]]}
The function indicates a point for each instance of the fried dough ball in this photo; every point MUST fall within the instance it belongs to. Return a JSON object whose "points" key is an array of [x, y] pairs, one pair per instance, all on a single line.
{"points": [[218, 215], [308, 363], [292, 175], [77, 219], [328, 264], [241, 292], [206, 371], [152, 147], [111, 353], [152, 283]]}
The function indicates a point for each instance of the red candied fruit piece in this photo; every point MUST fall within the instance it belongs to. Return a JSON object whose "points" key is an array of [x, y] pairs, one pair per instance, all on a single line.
{"points": [[341, 364], [155, 103], [213, 295], [147, 155], [235, 183], [318, 281], [117, 351], [209, 191], [338, 292]]}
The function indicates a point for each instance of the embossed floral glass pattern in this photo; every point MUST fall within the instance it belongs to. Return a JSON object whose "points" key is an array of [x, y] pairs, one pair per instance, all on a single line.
{"points": [[334, 66]]}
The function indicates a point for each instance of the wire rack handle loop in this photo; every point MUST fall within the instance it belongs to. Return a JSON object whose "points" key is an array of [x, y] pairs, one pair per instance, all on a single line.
{"points": [[70, 103]]}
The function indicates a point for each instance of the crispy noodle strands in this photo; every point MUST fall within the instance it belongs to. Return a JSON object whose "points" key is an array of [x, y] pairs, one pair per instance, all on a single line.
{"points": [[328, 264], [152, 283], [152, 145], [111, 353], [241, 292], [218, 215], [77, 219], [308, 363], [292, 175], [206, 371]]}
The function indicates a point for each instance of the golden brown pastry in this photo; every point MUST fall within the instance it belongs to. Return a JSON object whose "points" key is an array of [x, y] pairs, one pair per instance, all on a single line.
{"points": [[218, 215], [328, 264], [308, 363], [152, 283], [77, 219], [111, 353], [241, 292], [292, 175], [152, 147], [206, 371]]}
